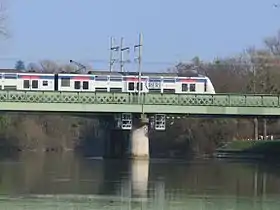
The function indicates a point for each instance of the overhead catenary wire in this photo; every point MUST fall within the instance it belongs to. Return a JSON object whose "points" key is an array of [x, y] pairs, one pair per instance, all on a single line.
{"points": [[268, 61]]}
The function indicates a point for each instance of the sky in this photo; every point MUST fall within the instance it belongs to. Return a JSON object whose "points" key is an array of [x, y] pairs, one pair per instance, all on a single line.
{"points": [[173, 31]]}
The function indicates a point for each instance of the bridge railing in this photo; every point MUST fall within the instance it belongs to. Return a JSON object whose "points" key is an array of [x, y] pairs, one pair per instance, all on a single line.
{"points": [[225, 100]]}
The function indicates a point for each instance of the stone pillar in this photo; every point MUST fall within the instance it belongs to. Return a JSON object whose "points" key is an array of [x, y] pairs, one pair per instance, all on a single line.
{"points": [[139, 139]]}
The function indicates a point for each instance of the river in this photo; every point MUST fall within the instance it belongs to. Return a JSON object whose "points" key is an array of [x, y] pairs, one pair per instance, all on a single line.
{"points": [[70, 181]]}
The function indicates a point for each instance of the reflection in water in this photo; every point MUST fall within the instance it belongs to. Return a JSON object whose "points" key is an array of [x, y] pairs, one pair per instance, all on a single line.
{"points": [[139, 177], [208, 184], [51, 174]]}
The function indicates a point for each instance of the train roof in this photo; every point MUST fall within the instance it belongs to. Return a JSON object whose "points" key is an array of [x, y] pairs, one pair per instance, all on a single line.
{"points": [[155, 74], [10, 71], [132, 73]]}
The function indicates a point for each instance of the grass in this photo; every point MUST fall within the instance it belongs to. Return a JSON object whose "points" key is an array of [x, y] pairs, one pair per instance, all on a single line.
{"points": [[260, 146]]}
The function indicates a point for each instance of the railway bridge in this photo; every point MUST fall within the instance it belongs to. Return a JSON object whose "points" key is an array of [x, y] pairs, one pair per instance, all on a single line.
{"points": [[136, 114]]}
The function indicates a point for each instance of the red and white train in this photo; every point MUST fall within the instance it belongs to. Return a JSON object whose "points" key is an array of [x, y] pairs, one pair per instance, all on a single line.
{"points": [[105, 82]]}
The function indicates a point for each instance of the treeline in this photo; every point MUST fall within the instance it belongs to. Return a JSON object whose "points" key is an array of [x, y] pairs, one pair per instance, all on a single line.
{"points": [[48, 66], [42, 132], [47, 132], [252, 71]]}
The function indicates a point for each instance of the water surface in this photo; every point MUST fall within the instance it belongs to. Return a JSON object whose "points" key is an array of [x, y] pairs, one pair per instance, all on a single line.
{"points": [[69, 181]]}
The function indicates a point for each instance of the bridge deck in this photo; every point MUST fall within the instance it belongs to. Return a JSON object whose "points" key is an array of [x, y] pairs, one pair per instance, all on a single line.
{"points": [[221, 104]]}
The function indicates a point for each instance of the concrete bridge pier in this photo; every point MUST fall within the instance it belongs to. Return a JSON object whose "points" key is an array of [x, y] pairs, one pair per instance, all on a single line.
{"points": [[139, 139]]}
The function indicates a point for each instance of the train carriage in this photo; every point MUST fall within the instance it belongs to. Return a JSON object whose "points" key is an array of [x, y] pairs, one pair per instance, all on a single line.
{"points": [[106, 82], [193, 85], [35, 81], [74, 82], [179, 85]]}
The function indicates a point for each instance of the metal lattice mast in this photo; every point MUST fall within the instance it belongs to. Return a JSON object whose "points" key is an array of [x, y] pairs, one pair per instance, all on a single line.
{"points": [[139, 59], [113, 48], [122, 50]]}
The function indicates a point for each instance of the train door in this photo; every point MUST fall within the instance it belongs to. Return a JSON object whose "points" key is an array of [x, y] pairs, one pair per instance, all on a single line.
{"points": [[81, 85], [133, 86], [30, 83], [34, 84]]}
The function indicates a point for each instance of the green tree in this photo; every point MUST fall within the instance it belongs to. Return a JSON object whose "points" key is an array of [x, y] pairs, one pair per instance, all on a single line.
{"points": [[20, 65]]}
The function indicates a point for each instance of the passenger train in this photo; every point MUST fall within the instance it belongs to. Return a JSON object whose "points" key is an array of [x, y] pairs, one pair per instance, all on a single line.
{"points": [[106, 82]]}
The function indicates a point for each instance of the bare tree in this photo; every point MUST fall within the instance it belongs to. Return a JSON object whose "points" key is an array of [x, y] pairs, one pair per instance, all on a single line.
{"points": [[3, 20], [68, 68], [49, 66], [273, 44], [33, 67]]}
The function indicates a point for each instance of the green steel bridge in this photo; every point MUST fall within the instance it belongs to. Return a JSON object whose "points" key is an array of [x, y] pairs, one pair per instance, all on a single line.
{"points": [[216, 104]]}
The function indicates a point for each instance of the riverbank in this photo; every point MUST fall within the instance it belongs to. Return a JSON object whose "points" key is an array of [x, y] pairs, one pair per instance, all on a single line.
{"points": [[249, 149]]}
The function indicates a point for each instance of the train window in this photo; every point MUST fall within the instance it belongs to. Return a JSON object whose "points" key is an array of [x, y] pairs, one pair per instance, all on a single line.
{"points": [[34, 84], [192, 87], [168, 90], [65, 82], [77, 85], [25, 83], [101, 78], [45, 83], [85, 85], [205, 86], [10, 76], [138, 86], [115, 79], [116, 90], [184, 87], [100, 89], [131, 86]]}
